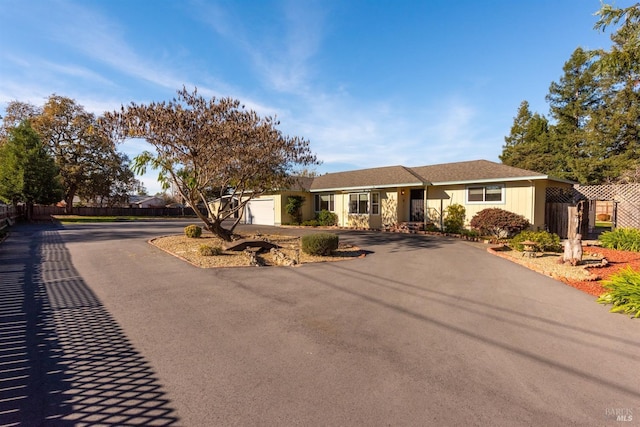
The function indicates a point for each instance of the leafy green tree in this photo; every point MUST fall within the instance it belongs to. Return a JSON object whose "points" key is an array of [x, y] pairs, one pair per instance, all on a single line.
{"points": [[110, 182], [574, 101], [294, 208], [83, 150], [529, 145], [594, 133], [213, 146], [28, 174], [619, 72]]}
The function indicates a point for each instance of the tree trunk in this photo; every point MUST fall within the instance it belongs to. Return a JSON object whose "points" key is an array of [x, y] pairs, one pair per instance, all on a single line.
{"points": [[573, 244], [68, 209], [217, 229]]}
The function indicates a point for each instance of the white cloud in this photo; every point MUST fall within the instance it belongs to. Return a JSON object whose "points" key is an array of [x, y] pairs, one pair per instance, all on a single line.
{"points": [[280, 53]]}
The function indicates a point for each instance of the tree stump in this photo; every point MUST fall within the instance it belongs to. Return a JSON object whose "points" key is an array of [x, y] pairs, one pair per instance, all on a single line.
{"points": [[573, 250]]}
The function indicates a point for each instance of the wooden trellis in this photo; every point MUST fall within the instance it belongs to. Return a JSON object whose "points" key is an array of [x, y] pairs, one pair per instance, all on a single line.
{"points": [[626, 199]]}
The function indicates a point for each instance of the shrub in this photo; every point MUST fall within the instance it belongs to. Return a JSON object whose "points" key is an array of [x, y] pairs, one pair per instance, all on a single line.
{"points": [[206, 250], [473, 234], [193, 231], [498, 222], [623, 292], [310, 223], [454, 218], [326, 218], [546, 241], [319, 244], [603, 217], [623, 239], [293, 208]]}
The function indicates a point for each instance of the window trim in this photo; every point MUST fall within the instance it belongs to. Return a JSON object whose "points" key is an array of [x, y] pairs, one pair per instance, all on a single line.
{"points": [[371, 205], [484, 200], [331, 202]]}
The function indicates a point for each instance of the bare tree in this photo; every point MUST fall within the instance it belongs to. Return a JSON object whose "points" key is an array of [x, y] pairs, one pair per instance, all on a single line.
{"points": [[214, 146]]}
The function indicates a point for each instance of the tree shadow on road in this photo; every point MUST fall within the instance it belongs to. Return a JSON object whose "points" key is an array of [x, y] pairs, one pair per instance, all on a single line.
{"points": [[64, 360]]}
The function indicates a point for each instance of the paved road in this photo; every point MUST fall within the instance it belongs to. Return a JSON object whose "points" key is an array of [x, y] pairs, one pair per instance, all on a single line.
{"points": [[100, 327]]}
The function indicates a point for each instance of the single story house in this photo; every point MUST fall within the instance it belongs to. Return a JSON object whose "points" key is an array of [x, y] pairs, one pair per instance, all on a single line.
{"points": [[387, 196], [146, 202]]}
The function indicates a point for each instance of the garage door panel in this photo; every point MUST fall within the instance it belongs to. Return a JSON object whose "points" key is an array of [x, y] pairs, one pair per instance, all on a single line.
{"points": [[260, 212]]}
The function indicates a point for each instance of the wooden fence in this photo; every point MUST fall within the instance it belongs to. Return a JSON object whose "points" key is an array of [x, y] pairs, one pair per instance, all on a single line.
{"points": [[625, 199], [40, 212]]}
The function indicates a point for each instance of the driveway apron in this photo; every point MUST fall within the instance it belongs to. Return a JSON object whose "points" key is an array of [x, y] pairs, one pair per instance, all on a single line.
{"points": [[64, 359]]}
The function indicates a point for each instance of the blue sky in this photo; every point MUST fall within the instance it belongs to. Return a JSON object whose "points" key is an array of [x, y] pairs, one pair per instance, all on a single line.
{"points": [[369, 83]]}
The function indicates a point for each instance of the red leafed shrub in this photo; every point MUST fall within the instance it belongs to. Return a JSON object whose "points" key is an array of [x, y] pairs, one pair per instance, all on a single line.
{"points": [[498, 223]]}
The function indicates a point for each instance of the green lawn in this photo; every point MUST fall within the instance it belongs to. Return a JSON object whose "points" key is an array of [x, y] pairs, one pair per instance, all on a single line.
{"points": [[603, 224], [68, 219]]}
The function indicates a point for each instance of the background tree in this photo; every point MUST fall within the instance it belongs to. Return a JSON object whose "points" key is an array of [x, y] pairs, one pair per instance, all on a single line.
{"points": [[213, 146], [84, 152], [111, 182], [574, 101], [28, 174], [594, 133], [530, 145], [619, 70]]}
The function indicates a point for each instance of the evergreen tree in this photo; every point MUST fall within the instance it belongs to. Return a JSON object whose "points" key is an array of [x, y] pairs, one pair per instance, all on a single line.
{"points": [[619, 71], [27, 173], [529, 145], [574, 101]]}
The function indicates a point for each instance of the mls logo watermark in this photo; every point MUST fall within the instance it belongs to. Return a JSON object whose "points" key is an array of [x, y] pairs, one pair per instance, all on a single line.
{"points": [[619, 414]]}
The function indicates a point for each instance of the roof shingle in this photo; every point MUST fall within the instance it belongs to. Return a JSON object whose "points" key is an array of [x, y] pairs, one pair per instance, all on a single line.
{"points": [[475, 170], [374, 177], [390, 176]]}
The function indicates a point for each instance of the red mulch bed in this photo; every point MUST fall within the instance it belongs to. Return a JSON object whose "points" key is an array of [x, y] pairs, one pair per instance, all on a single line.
{"points": [[617, 261]]}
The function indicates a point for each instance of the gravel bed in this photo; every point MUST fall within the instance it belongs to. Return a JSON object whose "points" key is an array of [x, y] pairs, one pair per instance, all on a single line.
{"points": [[188, 249]]}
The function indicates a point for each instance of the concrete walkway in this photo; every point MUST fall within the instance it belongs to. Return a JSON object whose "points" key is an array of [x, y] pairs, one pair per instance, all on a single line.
{"points": [[103, 327]]}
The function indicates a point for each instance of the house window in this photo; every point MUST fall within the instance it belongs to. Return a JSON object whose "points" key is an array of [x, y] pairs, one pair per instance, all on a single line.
{"points": [[375, 203], [324, 202], [364, 203], [485, 194]]}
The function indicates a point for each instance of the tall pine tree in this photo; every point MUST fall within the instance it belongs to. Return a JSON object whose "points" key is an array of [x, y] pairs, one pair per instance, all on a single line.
{"points": [[529, 145]]}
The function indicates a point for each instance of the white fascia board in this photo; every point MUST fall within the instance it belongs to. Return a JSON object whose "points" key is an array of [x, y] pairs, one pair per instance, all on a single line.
{"points": [[368, 187]]}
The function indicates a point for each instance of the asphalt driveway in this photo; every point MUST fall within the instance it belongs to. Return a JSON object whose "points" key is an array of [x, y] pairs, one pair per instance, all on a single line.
{"points": [[101, 327]]}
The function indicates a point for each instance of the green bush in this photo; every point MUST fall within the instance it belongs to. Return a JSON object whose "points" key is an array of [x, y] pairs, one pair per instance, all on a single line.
{"points": [[206, 250], [623, 292], [319, 244], [546, 241], [454, 218], [498, 223], [470, 233], [193, 231], [623, 239], [293, 208], [326, 218], [310, 223]]}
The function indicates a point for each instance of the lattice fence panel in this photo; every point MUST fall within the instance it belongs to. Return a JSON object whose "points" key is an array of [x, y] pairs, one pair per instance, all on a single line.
{"points": [[626, 197]]}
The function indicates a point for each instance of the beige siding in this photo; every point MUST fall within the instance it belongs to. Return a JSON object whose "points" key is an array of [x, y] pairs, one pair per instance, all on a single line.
{"points": [[280, 203], [525, 198]]}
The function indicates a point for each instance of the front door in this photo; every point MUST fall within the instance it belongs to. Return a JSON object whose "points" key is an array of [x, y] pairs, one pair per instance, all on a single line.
{"points": [[416, 213]]}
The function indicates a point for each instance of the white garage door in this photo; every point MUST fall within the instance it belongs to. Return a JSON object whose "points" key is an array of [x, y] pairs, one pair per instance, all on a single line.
{"points": [[260, 212]]}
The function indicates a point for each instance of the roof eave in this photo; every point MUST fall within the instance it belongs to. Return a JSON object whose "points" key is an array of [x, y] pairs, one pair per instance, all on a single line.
{"points": [[503, 179], [369, 187]]}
